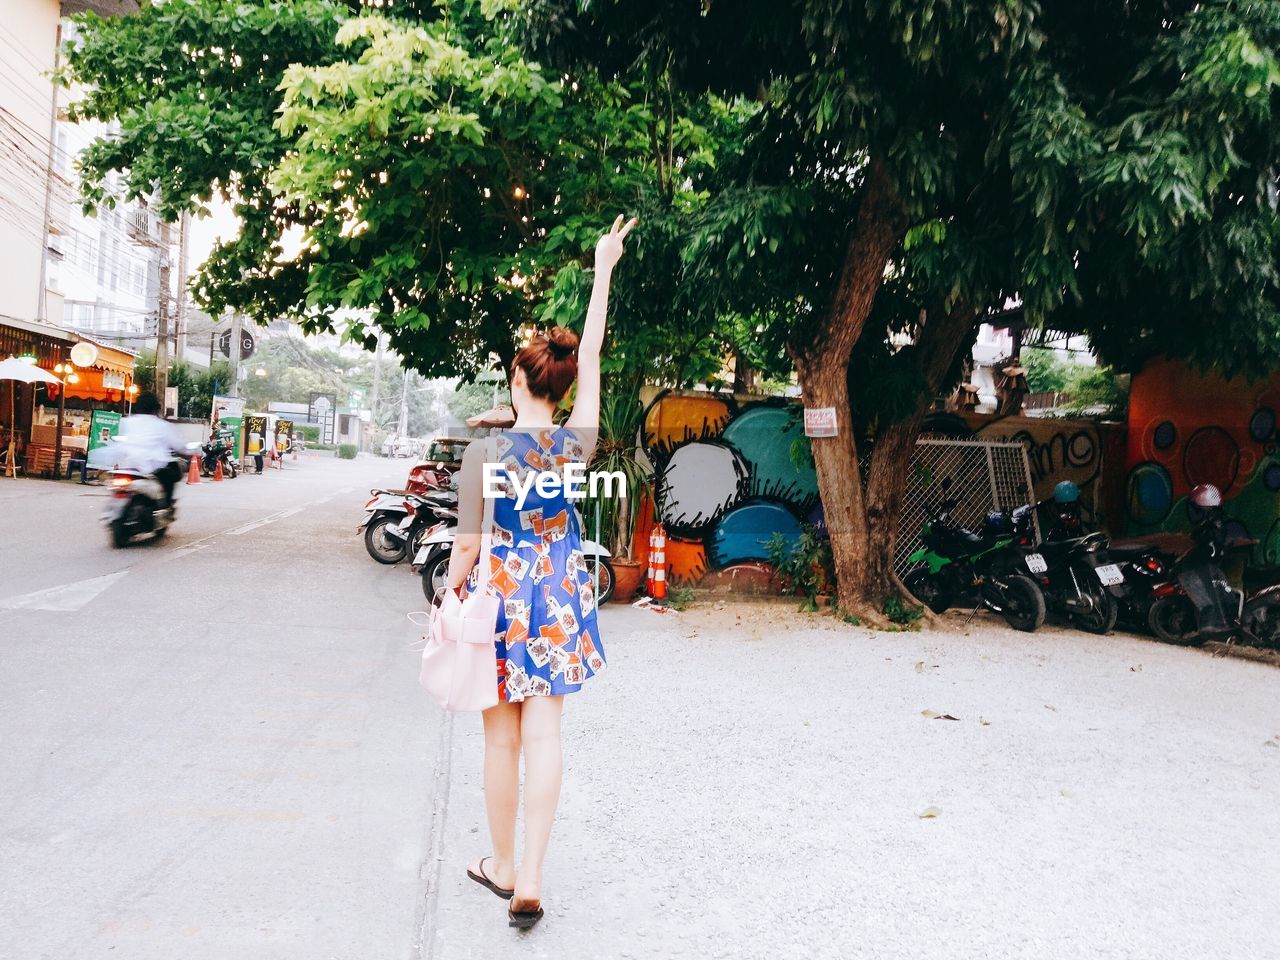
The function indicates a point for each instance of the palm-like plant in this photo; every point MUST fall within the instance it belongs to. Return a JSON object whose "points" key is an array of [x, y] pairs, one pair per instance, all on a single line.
{"points": [[613, 518]]}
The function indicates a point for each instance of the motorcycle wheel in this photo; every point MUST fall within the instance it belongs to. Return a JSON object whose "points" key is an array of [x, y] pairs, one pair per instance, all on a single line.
{"points": [[381, 547], [435, 576], [1262, 619], [1103, 609], [232, 471], [1173, 620], [598, 566], [119, 535], [1023, 607], [414, 541], [929, 589]]}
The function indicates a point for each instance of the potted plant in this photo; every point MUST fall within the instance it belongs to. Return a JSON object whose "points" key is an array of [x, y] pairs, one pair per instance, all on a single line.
{"points": [[613, 519]]}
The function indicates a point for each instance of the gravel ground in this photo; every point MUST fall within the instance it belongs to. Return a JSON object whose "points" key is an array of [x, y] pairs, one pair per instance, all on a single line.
{"points": [[745, 781]]}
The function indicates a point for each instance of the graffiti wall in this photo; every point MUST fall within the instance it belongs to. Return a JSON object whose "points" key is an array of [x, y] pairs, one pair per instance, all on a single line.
{"points": [[1187, 428], [725, 482], [1089, 453]]}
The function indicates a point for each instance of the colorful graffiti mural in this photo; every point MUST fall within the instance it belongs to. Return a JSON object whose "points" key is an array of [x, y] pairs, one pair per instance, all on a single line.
{"points": [[725, 482], [1057, 449], [1187, 428]]}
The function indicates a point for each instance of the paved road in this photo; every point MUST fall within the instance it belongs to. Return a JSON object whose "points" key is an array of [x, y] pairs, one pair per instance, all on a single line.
{"points": [[222, 753], [213, 746]]}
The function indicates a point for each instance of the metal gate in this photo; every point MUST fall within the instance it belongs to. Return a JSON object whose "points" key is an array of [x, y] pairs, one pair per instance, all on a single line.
{"points": [[984, 477]]}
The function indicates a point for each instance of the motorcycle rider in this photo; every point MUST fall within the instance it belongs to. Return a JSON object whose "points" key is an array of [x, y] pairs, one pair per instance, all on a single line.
{"points": [[150, 442]]}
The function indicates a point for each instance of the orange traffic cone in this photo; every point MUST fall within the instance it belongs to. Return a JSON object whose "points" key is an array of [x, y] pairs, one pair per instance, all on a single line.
{"points": [[193, 471], [217, 470], [658, 559]]}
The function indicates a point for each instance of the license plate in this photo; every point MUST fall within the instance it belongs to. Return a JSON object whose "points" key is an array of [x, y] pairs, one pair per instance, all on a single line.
{"points": [[1110, 574], [1036, 563]]}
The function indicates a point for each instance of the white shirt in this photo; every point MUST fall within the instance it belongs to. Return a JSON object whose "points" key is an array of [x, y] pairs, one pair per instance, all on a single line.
{"points": [[147, 443]]}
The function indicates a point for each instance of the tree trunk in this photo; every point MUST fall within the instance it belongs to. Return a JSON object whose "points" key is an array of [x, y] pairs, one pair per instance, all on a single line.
{"points": [[822, 363], [944, 336]]}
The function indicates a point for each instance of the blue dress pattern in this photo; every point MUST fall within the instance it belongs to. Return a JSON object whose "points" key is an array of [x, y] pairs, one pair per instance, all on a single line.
{"points": [[548, 643]]}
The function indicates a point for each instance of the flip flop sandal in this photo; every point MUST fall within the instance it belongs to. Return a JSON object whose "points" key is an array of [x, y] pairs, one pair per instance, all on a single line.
{"points": [[484, 881], [524, 919]]}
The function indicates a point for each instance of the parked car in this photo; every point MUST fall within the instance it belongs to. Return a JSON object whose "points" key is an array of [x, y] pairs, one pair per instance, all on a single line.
{"points": [[441, 460]]}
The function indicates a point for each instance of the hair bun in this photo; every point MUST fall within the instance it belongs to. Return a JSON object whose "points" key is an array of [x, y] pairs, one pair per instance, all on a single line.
{"points": [[563, 343]]}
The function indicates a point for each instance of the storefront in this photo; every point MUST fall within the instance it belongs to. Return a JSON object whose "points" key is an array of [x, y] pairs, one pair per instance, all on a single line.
{"points": [[58, 425]]}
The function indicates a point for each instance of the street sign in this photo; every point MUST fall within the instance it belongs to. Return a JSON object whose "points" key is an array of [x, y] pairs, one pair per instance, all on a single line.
{"points": [[247, 344], [323, 410]]}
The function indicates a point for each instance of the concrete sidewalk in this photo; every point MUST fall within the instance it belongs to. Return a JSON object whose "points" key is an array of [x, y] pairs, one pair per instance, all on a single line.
{"points": [[745, 781]]}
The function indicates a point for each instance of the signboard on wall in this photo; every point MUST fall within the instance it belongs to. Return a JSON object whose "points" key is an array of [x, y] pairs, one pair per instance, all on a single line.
{"points": [[323, 410]]}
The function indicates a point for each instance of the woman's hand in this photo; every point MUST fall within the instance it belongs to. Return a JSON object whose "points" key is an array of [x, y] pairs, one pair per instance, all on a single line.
{"points": [[609, 247]]}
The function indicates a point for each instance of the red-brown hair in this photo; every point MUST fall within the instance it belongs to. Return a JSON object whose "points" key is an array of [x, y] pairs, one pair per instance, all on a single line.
{"points": [[550, 363]]}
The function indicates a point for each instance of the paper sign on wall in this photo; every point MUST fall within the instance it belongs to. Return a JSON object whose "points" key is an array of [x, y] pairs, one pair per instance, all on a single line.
{"points": [[820, 422]]}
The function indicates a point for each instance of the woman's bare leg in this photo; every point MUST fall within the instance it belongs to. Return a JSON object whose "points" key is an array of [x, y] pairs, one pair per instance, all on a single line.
{"points": [[501, 790], [540, 735]]}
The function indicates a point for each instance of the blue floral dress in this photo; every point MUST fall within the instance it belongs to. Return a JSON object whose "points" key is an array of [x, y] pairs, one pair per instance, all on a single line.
{"points": [[548, 643]]}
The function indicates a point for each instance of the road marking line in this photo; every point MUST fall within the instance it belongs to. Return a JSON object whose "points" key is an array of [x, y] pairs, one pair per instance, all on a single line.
{"points": [[66, 598]]}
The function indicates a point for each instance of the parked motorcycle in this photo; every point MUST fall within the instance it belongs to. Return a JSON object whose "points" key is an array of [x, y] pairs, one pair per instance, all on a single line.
{"points": [[1199, 603], [963, 567], [213, 452], [432, 562], [1073, 568], [392, 523]]}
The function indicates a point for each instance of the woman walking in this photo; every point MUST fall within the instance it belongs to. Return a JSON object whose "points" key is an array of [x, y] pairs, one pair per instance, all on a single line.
{"points": [[547, 640]]}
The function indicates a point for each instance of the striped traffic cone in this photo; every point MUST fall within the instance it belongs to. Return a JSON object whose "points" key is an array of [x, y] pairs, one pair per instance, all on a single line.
{"points": [[658, 563], [193, 471]]}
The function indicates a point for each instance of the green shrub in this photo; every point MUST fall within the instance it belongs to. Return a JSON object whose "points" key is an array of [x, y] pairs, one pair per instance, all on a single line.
{"points": [[901, 613], [347, 451], [310, 432], [805, 566]]}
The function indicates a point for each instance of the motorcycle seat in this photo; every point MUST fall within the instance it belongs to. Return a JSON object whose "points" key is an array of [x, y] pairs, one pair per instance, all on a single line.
{"points": [[1133, 549]]}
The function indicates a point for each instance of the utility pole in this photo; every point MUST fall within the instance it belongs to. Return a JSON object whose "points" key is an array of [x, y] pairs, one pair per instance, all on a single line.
{"points": [[404, 405], [377, 376], [235, 356], [42, 304], [180, 312], [162, 318]]}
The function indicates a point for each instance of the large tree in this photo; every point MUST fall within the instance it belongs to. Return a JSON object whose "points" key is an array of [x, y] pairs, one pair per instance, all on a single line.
{"points": [[915, 166], [402, 164]]}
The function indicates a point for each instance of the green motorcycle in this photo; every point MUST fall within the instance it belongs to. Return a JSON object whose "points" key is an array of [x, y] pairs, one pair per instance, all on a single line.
{"points": [[956, 566]]}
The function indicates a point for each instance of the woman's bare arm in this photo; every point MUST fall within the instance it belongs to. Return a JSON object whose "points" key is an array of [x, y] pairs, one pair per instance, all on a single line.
{"points": [[466, 543], [586, 402]]}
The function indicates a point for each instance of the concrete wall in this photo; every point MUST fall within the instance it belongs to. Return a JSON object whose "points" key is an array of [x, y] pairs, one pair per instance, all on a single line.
{"points": [[28, 44]]}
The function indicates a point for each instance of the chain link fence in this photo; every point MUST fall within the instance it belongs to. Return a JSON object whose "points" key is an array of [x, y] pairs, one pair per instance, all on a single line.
{"points": [[984, 477]]}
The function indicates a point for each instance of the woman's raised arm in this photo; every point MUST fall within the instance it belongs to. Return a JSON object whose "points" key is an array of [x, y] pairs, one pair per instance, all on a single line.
{"points": [[586, 402]]}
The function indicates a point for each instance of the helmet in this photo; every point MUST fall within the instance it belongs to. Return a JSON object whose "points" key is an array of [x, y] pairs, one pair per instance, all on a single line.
{"points": [[1206, 496], [997, 523], [1066, 492]]}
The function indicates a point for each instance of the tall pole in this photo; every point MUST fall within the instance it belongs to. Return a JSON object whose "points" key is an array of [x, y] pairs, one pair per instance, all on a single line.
{"points": [[42, 304], [162, 319], [235, 356], [180, 311], [404, 405], [377, 376]]}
